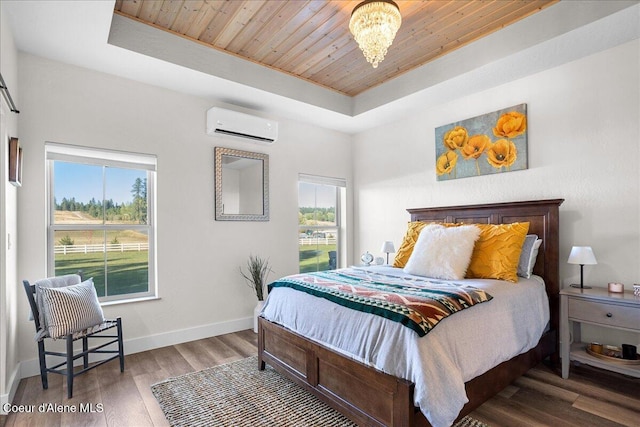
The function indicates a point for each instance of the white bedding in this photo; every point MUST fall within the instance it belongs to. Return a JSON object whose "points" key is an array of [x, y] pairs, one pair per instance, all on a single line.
{"points": [[458, 349]]}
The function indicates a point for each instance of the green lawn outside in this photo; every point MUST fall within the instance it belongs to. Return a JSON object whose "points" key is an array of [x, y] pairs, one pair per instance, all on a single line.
{"points": [[314, 257], [128, 272]]}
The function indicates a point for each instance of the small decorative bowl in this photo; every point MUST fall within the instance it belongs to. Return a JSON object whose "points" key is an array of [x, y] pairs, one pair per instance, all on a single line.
{"points": [[596, 347], [616, 287]]}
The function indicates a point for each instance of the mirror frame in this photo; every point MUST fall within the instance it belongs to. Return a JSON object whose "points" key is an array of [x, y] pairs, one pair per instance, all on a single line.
{"points": [[220, 215]]}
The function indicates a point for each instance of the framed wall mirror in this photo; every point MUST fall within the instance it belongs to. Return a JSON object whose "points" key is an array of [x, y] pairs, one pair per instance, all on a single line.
{"points": [[242, 185]]}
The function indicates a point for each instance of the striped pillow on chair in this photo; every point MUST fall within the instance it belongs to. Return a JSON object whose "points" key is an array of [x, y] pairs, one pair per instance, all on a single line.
{"points": [[70, 309]]}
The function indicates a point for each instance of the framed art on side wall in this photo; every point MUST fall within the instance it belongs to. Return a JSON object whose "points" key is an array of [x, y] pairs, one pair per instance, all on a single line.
{"points": [[15, 162]]}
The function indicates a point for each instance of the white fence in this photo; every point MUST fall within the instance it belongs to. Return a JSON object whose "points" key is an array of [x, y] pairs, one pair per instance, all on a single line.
{"points": [[112, 247], [127, 247], [317, 241]]}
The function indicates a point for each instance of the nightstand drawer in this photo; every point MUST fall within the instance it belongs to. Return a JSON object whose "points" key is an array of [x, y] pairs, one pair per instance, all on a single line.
{"points": [[605, 314]]}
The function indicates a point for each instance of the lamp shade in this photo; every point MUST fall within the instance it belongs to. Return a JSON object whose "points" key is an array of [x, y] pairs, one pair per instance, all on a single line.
{"points": [[582, 255], [387, 247]]}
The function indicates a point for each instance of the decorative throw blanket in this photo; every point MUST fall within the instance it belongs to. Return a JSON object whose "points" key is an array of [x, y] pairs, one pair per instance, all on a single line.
{"points": [[417, 303]]}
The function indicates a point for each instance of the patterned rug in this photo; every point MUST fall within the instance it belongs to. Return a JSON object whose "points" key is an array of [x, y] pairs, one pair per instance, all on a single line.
{"points": [[238, 394]]}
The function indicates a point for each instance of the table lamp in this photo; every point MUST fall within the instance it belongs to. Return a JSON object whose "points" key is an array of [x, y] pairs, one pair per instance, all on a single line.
{"points": [[582, 255], [387, 247]]}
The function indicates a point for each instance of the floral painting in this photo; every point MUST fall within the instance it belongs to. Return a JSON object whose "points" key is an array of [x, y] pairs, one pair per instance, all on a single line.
{"points": [[492, 143]]}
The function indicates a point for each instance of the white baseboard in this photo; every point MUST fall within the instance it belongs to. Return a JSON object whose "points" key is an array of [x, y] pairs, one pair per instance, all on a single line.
{"points": [[7, 398], [185, 335], [29, 368]]}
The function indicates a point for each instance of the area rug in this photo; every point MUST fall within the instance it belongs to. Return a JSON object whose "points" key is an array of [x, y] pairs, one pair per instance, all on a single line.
{"points": [[238, 394]]}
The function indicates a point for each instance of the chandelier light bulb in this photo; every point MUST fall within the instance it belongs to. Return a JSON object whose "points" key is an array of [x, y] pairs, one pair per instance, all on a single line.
{"points": [[374, 25]]}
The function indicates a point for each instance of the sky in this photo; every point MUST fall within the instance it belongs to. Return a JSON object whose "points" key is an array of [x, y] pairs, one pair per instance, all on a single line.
{"points": [[84, 182]]}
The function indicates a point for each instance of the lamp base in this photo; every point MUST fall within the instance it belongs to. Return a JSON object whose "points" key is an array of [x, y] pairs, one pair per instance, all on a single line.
{"points": [[580, 287]]}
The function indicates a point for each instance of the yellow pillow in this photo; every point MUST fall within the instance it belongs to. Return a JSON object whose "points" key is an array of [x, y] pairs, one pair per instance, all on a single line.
{"points": [[409, 241], [406, 247], [497, 252]]}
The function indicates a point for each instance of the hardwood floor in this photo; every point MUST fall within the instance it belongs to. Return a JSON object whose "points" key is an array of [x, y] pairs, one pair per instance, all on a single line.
{"points": [[107, 397]]}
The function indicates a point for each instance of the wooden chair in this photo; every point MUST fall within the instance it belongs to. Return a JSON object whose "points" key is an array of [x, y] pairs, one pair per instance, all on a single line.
{"points": [[69, 355]]}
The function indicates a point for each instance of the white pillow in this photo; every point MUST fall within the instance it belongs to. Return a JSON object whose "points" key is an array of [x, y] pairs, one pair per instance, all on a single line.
{"points": [[70, 309], [443, 252], [528, 255]]}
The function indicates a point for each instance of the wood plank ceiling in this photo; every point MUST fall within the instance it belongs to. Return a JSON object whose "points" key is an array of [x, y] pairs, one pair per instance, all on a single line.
{"points": [[311, 39]]}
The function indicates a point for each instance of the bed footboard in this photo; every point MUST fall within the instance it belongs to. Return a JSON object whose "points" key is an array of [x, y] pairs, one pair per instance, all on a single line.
{"points": [[365, 395]]}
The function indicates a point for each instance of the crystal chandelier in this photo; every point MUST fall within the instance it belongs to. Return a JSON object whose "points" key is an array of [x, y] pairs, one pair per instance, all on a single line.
{"points": [[374, 24]]}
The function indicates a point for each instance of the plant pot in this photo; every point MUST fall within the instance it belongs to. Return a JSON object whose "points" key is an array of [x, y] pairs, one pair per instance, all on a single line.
{"points": [[256, 313]]}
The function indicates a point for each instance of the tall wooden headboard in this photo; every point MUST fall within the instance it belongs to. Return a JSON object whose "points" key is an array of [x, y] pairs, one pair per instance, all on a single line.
{"points": [[543, 218]]}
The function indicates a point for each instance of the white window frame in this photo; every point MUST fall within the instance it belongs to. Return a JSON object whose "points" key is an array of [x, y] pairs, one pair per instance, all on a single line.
{"points": [[340, 211], [110, 158]]}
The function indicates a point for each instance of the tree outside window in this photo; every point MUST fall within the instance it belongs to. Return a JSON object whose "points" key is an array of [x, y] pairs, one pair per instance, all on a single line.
{"points": [[101, 220]]}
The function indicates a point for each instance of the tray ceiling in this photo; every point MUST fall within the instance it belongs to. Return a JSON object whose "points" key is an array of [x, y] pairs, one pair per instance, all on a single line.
{"points": [[311, 40]]}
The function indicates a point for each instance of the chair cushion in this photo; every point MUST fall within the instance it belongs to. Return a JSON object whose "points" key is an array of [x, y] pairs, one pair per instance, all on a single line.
{"points": [[70, 309]]}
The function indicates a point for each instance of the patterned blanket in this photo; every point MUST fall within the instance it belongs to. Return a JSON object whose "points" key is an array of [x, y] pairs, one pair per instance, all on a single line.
{"points": [[417, 303]]}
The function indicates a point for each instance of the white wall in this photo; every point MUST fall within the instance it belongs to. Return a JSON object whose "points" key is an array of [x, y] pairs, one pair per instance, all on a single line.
{"points": [[583, 146], [201, 290], [9, 286]]}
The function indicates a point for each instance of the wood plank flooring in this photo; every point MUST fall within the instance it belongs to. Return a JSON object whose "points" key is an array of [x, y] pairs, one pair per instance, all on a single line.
{"points": [[590, 397]]}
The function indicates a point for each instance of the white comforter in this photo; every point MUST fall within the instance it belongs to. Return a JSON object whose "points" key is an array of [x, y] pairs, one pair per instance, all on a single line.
{"points": [[459, 348]]}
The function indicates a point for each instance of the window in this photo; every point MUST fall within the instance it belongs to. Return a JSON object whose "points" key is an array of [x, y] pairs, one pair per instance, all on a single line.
{"points": [[101, 219], [320, 222]]}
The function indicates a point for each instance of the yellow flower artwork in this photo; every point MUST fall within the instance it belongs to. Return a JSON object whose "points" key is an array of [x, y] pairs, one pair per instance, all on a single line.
{"points": [[488, 144], [446, 163]]}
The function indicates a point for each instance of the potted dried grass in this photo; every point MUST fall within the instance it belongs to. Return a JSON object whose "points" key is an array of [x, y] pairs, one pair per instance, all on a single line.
{"points": [[257, 270]]}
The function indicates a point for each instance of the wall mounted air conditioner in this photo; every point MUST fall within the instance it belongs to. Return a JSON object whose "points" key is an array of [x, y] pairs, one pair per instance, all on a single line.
{"points": [[240, 125]]}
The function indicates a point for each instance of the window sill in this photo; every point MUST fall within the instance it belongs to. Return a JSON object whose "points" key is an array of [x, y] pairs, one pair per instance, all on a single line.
{"points": [[127, 301]]}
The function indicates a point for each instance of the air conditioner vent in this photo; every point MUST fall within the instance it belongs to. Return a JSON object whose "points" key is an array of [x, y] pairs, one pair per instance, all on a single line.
{"points": [[240, 125]]}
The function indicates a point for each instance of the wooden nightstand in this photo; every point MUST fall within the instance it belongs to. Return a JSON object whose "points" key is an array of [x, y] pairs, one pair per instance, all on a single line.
{"points": [[598, 307]]}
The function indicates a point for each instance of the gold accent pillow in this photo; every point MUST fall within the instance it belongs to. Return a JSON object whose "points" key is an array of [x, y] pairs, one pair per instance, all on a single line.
{"points": [[497, 252], [406, 247]]}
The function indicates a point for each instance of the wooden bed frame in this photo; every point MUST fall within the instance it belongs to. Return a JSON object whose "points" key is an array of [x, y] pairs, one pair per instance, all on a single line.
{"points": [[372, 398]]}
